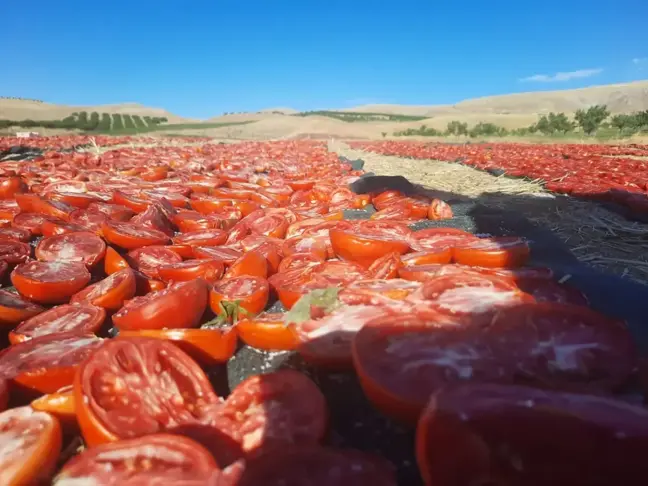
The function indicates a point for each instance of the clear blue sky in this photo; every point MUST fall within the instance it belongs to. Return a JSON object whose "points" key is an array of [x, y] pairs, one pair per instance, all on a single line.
{"points": [[201, 58]]}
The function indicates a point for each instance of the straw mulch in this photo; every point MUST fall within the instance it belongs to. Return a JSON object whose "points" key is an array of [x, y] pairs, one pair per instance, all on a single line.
{"points": [[595, 235]]}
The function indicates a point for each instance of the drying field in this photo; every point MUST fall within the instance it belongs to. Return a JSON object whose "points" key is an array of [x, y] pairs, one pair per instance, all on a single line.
{"points": [[264, 313]]}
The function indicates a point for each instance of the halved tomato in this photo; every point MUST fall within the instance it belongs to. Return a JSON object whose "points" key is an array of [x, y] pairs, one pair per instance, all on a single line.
{"points": [[499, 252], [252, 264], [267, 331], [209, 270], [114, 262], [203, 237], [130, 236], [149, 259], [50, 282], [365, 243], [83, 247], [252, 293], [60, 404], [109, 293], [15, 309]]}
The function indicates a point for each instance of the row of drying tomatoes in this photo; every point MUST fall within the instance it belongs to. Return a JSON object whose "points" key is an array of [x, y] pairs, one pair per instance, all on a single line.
{"points": [[613, 173], [182, 250]]}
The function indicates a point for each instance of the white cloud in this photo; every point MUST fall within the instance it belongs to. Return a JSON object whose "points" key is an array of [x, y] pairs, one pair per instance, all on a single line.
{"points": [[550, 78], [639, 60]]}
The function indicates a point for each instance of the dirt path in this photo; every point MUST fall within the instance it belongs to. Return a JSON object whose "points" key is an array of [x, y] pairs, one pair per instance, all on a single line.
{"points": [[595, 235]]}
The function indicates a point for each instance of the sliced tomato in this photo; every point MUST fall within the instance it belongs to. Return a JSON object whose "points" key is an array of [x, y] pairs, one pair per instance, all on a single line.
{"points": [[274, 225], [13, 252], [298, 415], [180, 306], [439, 238], [15, 234], [369, 292], [149, 259], [50, 282], [31, 444], [296, 466], [162, 458], [15, 309], [83, 247], [31, 222], [79, 319], [315, 245], [267, 331], [132, 387], [252, 264], [500, 252], [203, 237], [188, 221], [439, 210], [209, 270], [114, 262], [55, 227], [429, 271], [386, 266], [298, 260], [364, 244], [427, 257], [207, 346], [109, 293], [130, 236], [154, 218], [252, 293], [4, 394], [10, 186], [227, 255], [47, 363], [60, 404], [550, 438]]}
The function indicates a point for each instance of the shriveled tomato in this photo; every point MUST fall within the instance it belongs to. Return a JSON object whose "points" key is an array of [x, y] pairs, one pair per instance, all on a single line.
{"points": [[109, 293], [163, 458], [132, 387], [298, 415], [12, 252], [55, 227], [15, 309], [499, 252], [550, 438], [83, 247], [154, 218], [306, 244], [47, 363], [176, 307], [426, 257], [79, 319], [50, 282], [130, 236], [31, 444], [252, 293], [267, 331]]}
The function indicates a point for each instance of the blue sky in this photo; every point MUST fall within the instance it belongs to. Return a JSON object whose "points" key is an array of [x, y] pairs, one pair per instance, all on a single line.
{"points": [[201, 58]]}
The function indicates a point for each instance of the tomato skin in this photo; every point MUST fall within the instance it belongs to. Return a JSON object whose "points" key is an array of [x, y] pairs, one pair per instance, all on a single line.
{"points": [[60, 404], [207, 346], [148, 259], [386, 266], [512, 252], [33, 460], [63, 247], [363, 250], [14, 309], [267, 331], [551, 437], [109, 293], [439, 210], [56, 288], [130, 236], [184, 379], [180, 306], [163, 458], [253, 300], [427, 257], [114, 262], [252, 264], [209, 270]]}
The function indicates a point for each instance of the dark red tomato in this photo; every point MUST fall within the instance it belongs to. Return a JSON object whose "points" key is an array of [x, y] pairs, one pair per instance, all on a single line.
{"points": [[12, 252], [4, 394], [47, 363], [83, 247], [252, 293], [550, 438], [31, 222], [54, 227], [209, 270], [439, 238], [544, 290], [149, 259], [15, 234], [15, 309], [130, 236], [179, 306], [565, 346], [110, 293], [79, 319], [500, 252], [298, 414], [204, 237], [115, 212], [156, 458], [90, 220], [50, 282], [312, 465], [133, 387], [31, 445]]}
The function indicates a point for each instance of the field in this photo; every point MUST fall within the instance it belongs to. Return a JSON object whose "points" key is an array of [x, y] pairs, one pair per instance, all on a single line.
{"points": [[323, 305]]}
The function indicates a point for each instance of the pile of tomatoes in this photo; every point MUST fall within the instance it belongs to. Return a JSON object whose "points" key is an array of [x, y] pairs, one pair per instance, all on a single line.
{"points": [[63, 142], [134, 274], [602, 172]]}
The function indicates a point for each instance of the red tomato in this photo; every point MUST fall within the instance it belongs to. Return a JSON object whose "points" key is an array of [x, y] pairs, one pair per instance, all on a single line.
{"points": [[83, 247], [12, 252], [203, 237], [109, 293], [50, 282], [551, 438], [298, 415], [15, 234], [364, 244], [207, 346], [251, 292], [61, 405], [149, 259], [177, 307], [4, 394], [188, 221], [130, 236], [132, 387], [15, 309], [373, 292], [500, 252], [10, 186], [53, 228], [251, 264], [154, 218], [47, 363], [209, 270], [298, 260], [78, 319], [273, 225], [156, 458], [439, 239], [114, 262], [427, 257], [439, 210], [267, 331], [227, 255], [306, 244], [31, 443], [386, 266]]}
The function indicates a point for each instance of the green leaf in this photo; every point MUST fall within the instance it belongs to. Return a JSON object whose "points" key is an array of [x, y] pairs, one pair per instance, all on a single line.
{"points": [[326, 299], [230, 313]]}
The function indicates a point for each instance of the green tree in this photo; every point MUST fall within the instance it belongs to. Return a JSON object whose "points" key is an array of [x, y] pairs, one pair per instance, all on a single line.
{"points": [[139, 123], [457, 128], [128, 122], [117, 124], [589, 120], [105, 123]]}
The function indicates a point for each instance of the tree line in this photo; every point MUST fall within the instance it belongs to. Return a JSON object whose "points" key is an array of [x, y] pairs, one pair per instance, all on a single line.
{"points": [[593, 121], [90, 122]]}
